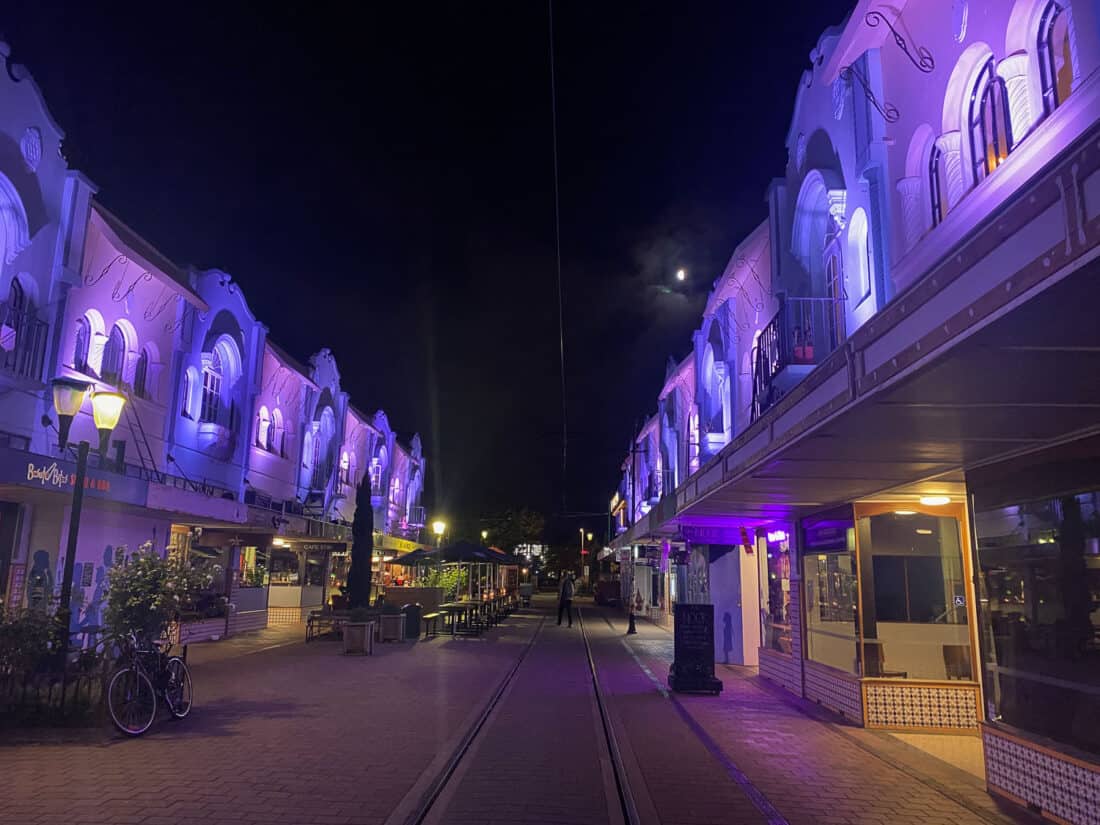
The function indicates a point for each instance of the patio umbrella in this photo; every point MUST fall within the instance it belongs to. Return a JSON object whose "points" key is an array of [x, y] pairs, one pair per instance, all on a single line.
{"points": [[414, 558]]}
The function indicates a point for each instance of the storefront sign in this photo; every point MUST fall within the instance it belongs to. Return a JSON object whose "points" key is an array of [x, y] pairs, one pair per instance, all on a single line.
{"points": [[710, 535], [693, 643], [824, 536], [321, 547], [57, 475]]}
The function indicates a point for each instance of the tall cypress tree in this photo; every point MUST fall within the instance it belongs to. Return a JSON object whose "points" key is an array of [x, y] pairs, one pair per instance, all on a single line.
{"points": [[362, 548]]}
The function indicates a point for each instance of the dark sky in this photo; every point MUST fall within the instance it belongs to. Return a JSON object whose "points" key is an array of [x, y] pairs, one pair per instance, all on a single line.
{"points": [[382, 185]]}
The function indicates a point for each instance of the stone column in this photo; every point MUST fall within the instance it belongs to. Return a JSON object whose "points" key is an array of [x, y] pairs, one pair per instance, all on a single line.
{"points": [[951, 167], [912, 216]]}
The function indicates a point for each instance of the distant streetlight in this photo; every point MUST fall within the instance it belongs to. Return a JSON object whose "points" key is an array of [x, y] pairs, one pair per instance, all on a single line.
{"points": [[681, 275], [68, 398], [484, 535], [439, 528]]}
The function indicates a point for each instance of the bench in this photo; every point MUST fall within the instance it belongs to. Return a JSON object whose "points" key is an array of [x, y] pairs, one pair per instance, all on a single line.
{"points": [[431, 623], [320, 621]]}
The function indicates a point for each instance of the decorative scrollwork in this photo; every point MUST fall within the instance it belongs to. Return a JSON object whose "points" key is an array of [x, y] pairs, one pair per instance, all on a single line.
{"points": [[888, 110], [156, 307], [91, 279], [919, 57], [115, 293]]}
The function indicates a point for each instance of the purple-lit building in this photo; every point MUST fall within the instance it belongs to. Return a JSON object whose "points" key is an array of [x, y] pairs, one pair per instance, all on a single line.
{"points": [[894, 406], [229, 451]]}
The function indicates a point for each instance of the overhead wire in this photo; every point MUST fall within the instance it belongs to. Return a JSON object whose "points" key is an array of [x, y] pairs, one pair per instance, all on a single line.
{"points": [[557, 249]]}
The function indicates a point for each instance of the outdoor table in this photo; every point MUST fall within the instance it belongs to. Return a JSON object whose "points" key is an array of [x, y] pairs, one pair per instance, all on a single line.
{"points": [[457, 610]]}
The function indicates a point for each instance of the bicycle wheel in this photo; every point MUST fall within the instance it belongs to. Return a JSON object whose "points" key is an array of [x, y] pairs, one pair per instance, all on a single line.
{"points": [[131, 701], [178, 687]]}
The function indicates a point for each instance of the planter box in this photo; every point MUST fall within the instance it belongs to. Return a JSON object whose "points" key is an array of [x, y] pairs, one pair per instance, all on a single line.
{"points": [[391, 628], [358, 637], [205, 630]]}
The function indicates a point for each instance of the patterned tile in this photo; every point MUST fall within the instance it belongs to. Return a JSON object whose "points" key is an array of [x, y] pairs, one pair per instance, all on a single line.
{"points": [[835, 690], [1057, 786], [936, 707]]}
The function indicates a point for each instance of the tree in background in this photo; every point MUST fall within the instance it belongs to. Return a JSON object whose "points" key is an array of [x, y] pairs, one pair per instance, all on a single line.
{"points": [[362, 548], [516, 527]]}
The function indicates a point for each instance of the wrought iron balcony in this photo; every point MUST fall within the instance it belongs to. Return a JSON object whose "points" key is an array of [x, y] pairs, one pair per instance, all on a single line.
{"points": [[801, 335], [22, 342], [416, 517]]}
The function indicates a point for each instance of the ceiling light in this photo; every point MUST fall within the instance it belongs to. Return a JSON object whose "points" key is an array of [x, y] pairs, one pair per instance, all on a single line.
{"points": [[935, 501], [905, 512], [924, 531]]}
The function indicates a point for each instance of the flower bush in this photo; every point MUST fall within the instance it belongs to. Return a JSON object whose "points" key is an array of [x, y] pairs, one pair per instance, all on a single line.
{"points": [[147, 593]]}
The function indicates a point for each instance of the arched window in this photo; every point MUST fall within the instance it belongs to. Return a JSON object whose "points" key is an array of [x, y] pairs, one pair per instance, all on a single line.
{"points": [[859, 263], [345, 467], [17, 298], [211, 388], [188, 393], [83, 344], [1055, 62], [990, 127], [277, 434], [263, 428], [935, 185], [141, 374], [114, 352], [838, 299]]}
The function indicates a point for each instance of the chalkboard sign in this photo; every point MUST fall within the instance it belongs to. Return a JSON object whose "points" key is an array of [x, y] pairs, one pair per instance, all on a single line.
{"points": [[692, 670]]}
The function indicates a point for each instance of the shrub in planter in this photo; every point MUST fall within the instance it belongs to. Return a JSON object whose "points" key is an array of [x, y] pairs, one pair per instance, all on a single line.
{"points": [[355, 632]]}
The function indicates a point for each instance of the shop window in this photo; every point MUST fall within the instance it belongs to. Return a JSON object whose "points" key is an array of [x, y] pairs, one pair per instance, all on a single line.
{"points": [[1039, 586], [285, 568], [315, 568], [211, 602], [775, 592], [253, 572], [914, 597], [339, 565], [831, 592]]}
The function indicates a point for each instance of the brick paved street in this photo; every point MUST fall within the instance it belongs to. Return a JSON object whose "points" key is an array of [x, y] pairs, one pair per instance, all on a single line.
{"points": [[285, 732]]}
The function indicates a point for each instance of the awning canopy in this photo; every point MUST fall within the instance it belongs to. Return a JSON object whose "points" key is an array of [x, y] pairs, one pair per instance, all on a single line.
{"points": [[1025, 381]]}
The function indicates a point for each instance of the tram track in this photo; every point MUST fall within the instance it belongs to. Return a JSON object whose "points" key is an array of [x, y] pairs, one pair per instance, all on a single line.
{"points": [[433, 802]]}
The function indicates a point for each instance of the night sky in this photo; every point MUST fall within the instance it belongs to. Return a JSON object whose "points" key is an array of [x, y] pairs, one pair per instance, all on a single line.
{"points": [[383, 186]]}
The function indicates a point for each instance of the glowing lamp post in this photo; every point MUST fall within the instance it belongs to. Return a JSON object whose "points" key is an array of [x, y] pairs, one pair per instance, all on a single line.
{"points": [[439, 528], [484, 535], [68, 398]]}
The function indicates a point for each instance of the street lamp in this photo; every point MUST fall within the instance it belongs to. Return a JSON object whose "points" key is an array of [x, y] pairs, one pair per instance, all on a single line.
{"points": [[68, 398], [439, 528], [484, 535], [681, 275]]}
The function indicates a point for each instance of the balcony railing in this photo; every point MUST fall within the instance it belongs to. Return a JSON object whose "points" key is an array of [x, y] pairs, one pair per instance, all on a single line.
{"points": [[22, 342], [801, 335], [417, 516]]}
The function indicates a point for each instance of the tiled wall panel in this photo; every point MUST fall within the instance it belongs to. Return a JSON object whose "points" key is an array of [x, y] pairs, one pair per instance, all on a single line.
{"points": [[1068, 789]]}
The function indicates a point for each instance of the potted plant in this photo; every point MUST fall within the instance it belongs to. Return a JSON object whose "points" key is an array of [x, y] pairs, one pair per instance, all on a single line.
{"points": [[356, 632]]}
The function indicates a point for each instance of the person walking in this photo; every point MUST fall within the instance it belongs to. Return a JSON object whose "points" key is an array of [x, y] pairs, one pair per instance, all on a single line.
{"points": [[565, 598]]}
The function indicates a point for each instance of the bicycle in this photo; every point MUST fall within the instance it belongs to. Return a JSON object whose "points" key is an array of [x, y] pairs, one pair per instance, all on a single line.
{"points": [[142, 676]]}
